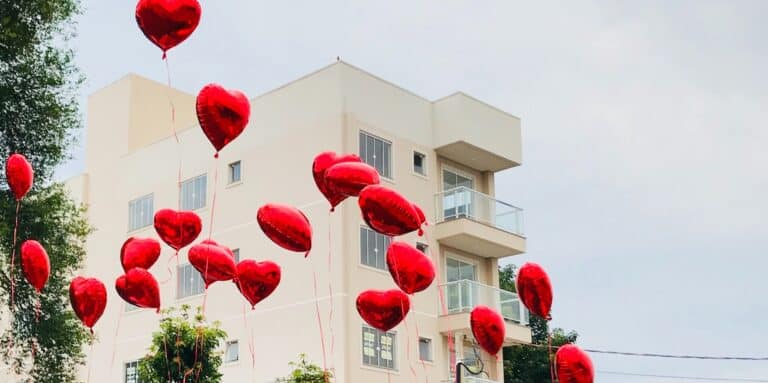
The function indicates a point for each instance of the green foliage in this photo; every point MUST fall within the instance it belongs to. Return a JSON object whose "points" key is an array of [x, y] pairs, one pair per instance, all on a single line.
{"points": [[306, 372], [525, 364], [38, 116], [185, 349], [38, 82], [49, 216]]}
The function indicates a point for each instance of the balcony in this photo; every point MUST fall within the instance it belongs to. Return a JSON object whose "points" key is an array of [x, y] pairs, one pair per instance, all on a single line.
{"points": [[476, 134], [477, 223], [461, 297]]}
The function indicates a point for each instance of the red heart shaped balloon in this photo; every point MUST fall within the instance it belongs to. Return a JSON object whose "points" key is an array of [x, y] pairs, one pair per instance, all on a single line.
{"points": [[488, 328], [420, 214], [88, 297], [257, 280], [383, 310], [214, 262], [35, 264], [320, 166], [286, 226], [139, 252], [177, 228], [535, 289], [573, 365], [223, 114], [388, 212], [19, 175], [139, 288], [167, 23], [410, 268], [349, 178]]}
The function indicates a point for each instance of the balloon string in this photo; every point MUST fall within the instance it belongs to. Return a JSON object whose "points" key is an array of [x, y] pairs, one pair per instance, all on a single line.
{"points": [[165, 353], [418, 336], [320, 327], [408, 348], [168, 267], [114, 339], [405, 319], [213, 201], [90, 357], [330, 288], [443, 303], [170, 99], [551, 364], [250, 341], [13, 257]]}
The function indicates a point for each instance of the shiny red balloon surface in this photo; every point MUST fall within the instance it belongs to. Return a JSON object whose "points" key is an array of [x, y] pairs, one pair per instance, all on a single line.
{"points": [[88, 297], [535, 289], [383, 310], [411, 270], [286, 226], [223, 114], [167, 23]]}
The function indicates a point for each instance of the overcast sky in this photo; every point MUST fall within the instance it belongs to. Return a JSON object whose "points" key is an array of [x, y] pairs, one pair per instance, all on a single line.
{"points": [[645, 175]]}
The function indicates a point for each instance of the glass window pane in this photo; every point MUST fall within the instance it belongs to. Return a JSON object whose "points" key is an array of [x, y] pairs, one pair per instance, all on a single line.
{"points": [[363, 246], [386, 161], [370, 151]]}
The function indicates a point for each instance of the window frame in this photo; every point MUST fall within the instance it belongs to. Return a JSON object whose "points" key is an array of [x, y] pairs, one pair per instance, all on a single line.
{"points": [[423, 163], [394, 349], [230, 182], [151, 197], [431, 348], [196, 274], [226, 351], [391, 168], [383, 252], [205, 190], [125, 370]]}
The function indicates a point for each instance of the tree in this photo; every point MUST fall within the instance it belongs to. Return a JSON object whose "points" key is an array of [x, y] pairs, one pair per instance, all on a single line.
{"points": [[526, 364], [184, 350], [38, 116], [306, 372]]}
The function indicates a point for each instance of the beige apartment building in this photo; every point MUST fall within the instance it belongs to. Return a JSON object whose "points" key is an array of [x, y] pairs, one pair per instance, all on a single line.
{"points": [[441, 154]]}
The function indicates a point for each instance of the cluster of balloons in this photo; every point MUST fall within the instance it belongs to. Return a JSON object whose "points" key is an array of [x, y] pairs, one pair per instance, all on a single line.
{"points": [[223, 115]]}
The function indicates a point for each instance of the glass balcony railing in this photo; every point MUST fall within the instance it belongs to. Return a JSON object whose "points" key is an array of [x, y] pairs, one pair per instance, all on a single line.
{"points": [[465, 295], [463, 202]]}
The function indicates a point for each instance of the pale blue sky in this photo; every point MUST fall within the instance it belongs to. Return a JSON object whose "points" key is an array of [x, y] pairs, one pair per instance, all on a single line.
{"points": [[645, 175]]}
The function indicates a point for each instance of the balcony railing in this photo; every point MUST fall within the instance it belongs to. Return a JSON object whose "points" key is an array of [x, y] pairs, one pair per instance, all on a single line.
{"points": [[463, 202], [463, 296]]}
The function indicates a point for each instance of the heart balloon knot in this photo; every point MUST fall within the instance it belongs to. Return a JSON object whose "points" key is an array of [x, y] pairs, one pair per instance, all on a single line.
{"points": [[216, 155], [421, 232]]}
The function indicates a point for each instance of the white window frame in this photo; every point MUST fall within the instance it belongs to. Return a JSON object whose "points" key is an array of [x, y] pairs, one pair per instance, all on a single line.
{"points": [[226, 351], [431, 347], [379, 252], [391, 175], [194, 275], [151, 214], [205, 190], [125, 370], [395, 353], [423, 163], [230, 182]]}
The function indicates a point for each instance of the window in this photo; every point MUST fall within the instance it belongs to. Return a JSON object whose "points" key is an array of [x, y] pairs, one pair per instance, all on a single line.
{"points": [[129, 307], [376, 152], [461, 291], [379, 348], [141, 212], [132, 372], [193, 193], [234, 172], [236, 252], [423, 247], [457, 196], [373, 248], [425, 349], [232, 352], [190, 282], [420, 163]]}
